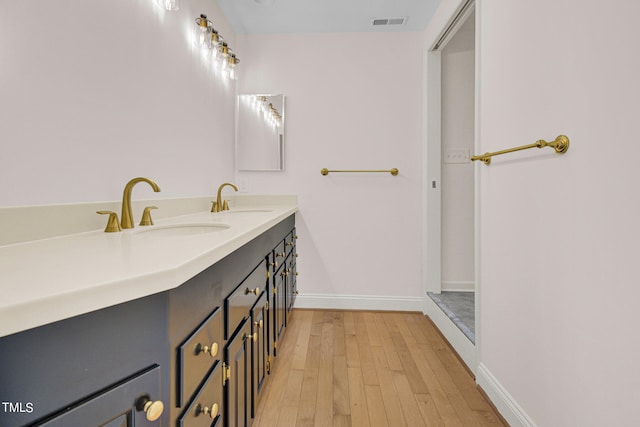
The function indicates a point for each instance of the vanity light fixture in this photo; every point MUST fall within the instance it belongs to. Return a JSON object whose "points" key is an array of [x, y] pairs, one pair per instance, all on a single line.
{"points": [[206, 37], [202, 32], [216, 39], [170, 5], [232, 61]]}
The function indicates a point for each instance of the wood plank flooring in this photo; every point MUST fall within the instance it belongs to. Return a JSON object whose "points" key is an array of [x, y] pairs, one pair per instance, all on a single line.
{"points": [[359, 368]]}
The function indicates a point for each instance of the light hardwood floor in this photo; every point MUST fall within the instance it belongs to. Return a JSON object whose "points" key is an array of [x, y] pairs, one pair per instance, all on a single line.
{"points": [[359, 368]]}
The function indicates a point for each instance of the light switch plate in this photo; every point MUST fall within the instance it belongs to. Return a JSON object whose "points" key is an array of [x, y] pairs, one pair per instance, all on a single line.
{"points": [[456, 155]]}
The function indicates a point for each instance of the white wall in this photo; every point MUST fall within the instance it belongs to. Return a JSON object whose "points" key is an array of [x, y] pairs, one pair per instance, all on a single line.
{"points": [[353, 101], [458, 109], [560, 233], [93, 93]]}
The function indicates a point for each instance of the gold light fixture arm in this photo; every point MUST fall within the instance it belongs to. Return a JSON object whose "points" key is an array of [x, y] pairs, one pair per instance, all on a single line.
{"points": [[394, 171], [560, 145]]}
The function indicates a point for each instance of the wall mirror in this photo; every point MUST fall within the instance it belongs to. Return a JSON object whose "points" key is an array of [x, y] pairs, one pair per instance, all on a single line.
{"points": [[260, 132]]}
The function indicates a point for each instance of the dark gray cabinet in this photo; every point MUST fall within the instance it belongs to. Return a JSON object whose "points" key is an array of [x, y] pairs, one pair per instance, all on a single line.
{"points": [[201, 351], [291, 272], [241, 285], [237, 381], [199, 354], [206, 409], [259, 350], [127, 404], [98, 363]]}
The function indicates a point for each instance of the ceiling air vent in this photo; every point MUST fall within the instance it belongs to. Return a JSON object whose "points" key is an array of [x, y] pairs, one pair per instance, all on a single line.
{"points": [[389, 21]]}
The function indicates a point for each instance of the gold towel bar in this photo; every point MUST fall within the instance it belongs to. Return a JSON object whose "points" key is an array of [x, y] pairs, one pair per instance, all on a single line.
{"points": [[394, 171], [560, 144]]}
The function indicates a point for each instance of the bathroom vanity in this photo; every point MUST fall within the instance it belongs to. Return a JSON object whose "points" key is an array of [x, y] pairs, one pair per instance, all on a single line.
{"points": [[188, 342]]}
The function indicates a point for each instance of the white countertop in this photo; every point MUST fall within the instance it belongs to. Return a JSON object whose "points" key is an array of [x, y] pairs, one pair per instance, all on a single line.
{"points": [[52, 279]]}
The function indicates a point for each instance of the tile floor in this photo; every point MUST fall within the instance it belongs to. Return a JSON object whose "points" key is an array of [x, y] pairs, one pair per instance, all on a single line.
{"points": [[460, 308]]}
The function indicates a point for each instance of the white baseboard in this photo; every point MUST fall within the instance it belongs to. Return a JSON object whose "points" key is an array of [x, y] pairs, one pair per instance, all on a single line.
{"points": [[458, 286], [359, 302], [503, 401], [465, 348]]}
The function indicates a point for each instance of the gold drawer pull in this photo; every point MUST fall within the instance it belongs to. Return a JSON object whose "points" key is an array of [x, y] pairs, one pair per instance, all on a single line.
{"points": [[152, 408], [258, 323], [255, 291], [212, 411], [210, 350]]}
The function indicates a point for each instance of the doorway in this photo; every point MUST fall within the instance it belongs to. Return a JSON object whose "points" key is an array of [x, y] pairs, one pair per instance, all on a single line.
{"points": [[451, 213]]}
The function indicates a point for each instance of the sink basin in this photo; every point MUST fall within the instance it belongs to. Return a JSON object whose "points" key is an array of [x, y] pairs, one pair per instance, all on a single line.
{"points": [[177, 230], [241, 211]]}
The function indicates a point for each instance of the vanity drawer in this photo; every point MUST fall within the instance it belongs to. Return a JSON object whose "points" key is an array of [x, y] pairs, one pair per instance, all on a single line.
{"points": [[201, 350], [206, 410], [272, 264], [122, 405], [238, 304], [279, 253], [290, 241]]}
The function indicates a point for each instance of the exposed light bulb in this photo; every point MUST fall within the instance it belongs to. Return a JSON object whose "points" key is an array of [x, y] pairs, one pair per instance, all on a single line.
{"points": [[170, 5], [201, 30], [231, 66]]}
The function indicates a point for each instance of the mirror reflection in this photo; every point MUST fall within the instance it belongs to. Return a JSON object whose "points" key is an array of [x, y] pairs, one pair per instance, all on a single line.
{"points": [[260, 132]]}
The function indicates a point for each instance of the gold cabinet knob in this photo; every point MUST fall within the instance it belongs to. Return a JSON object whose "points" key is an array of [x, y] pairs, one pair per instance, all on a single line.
{"points": [[146, 216], [212, 411], [290, 244], [152, 408], [113, 225], [255, 337], [255, 291], [258, 323], [282, 254], [211, 350], [274, 264]]}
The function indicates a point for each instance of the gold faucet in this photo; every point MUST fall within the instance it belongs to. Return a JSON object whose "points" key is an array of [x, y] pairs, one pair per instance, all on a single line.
{"points": [[219, 205], [126, 220]]}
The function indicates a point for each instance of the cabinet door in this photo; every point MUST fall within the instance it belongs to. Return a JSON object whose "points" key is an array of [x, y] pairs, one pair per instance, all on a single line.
{"points": [[206, 408], [198, 354], [291, 284], [239, 303], [277, 307], [127, 404], [238, 379], [259, 353]]}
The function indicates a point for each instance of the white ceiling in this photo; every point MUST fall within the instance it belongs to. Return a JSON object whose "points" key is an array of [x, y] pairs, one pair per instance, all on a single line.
{"points": [[335, 16]]}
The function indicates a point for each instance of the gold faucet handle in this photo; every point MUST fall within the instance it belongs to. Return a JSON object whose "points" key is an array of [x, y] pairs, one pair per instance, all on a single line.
{"points": [[214, 206], [113, 225], [146, 215], [225, 205]]}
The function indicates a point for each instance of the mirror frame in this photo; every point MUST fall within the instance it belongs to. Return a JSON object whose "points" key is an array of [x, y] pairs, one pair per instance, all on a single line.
{"points": [[260, 125]]}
